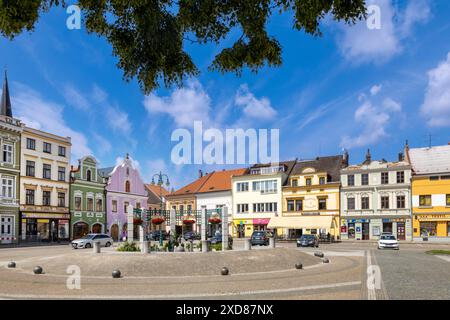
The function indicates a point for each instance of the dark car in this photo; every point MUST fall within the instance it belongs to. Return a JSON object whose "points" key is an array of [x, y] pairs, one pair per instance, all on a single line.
{"points": [[191, 235], [259, 238], [155, 235], [308, 240]]}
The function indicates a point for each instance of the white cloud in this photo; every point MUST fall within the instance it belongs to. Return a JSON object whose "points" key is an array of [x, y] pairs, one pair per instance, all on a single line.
{"points": [[361, 44], [253, 107], [98, 94], [375, 89], [373, 120], [44, 115], [74, 98], [184, 105], [134, 163], [118, 120], [436, 105], [103, 146]]}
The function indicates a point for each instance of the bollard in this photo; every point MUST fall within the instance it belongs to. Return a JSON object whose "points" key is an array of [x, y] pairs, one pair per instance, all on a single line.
{"points": [[37, 270], [116, 274], [224, 271], [325, 260], [272, 242], [318, 254], [298, 266], [205, 245], [247, 244], [12, 264], [97, 247], [144, 247]]}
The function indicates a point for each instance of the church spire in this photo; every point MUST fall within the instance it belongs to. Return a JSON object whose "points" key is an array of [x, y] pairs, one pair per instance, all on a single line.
{"points": [[5, 104]]}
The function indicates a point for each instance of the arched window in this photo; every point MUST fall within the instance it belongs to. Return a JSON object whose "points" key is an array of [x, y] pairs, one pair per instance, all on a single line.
{"points": [[127, 186], [88, 175]]}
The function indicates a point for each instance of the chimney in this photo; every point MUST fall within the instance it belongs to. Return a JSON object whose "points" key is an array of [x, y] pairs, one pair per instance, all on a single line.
{"points": [[368, 157], [200, 173], [406, 152], [401, 157], [345, 159]]}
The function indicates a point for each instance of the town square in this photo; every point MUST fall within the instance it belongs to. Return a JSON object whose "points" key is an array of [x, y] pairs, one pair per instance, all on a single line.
{"points": [[225, 150]]}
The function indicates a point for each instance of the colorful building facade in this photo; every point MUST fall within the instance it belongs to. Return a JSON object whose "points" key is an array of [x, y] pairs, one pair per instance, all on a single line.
{"points": [[124, 187], [376, 198], [87, 199], [311, 199], [10, 131], [430, 192]]}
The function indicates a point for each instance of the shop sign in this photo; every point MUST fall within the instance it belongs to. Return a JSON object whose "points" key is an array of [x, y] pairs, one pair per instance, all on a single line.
{"points": [[394, 220], [358, 220], [433, 217], [43, 220], [261, 221], [343, 229], [46, 215]]}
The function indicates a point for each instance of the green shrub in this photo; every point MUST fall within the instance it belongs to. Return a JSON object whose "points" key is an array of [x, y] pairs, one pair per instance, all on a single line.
{"points": [[217, 246], [129, 247]]}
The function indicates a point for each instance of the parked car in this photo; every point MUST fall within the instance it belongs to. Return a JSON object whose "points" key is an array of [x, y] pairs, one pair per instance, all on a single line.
{"points": [[88, 241], [259, 238], [308, 240], [191, 235], [388, 241], [155, 235]]}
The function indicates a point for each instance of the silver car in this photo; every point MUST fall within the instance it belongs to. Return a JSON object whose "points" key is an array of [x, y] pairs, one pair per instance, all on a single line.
{"points": [[88, 241]]}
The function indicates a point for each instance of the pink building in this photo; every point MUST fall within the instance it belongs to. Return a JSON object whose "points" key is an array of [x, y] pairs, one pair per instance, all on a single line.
{"points": [[124, 187]]}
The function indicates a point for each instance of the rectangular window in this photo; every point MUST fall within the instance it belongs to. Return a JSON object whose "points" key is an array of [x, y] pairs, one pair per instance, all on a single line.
{"points": [[298, 205], [99, 205], [323, 204], [384, 202], [61, 173], [400, 177], [78, 203], [7, 187], [365, 203], [351, 203], [47, 147], [31, 144], [290, 205], [400, 202], [242, 208], [425, 201], [90, 204], [351, 180], [46, 198], [268, 186], [265, 207], [61, 151], [8, 153], [322, 180], [242, 186], [29, 199], [61, 199], [447, 200], [47, 171], [181, 208], [30, 168], [125, 205], [365, 179], [385, 178], [114, 206], [308, 181], [138, 205], [294, 182]]}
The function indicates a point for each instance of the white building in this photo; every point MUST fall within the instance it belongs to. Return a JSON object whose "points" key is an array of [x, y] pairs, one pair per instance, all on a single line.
{"points": [[44, 186], [257, 196], [376, 198]]}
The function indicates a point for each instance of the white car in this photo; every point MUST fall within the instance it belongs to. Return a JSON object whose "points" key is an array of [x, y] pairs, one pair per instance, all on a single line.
{"points": [[388, 241], [88, 241]]}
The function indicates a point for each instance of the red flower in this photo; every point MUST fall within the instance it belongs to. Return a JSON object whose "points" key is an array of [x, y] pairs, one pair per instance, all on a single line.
{"points": [[137, 221], [214, 220], [157, 220], [188, 221]]}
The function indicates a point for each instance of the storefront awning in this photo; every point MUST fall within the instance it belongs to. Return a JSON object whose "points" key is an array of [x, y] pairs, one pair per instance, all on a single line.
{"points": [[314, 222]]}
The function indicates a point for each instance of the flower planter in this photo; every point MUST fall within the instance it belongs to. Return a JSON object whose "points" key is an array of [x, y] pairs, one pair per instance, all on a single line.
{"points": [[137, 221], [157, 220], [214, 220]]}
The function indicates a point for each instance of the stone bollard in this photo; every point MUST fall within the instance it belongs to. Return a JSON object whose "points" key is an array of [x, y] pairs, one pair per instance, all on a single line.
{"points": [[12, 264], [144, 247], [319, 254], [97, 247], [247, 244], [205, 244], [271, 242]]}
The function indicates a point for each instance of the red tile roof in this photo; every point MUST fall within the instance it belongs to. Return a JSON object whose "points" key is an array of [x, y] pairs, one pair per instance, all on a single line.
{"points": [[220, 180]]}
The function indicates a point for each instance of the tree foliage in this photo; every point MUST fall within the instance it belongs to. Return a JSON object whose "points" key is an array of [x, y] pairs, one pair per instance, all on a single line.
{"points": [[149, 36]]}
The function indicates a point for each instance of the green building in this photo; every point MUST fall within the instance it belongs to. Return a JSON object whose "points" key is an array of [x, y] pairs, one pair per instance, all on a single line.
{"points": [[87, 199], [10, 131]]}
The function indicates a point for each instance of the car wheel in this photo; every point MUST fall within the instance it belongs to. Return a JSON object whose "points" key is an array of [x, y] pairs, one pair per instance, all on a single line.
{"points": [[108, 244], [88, 245]]}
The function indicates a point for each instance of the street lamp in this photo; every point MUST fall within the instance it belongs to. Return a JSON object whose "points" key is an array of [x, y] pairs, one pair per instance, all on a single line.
{"points": [[160, 176]]}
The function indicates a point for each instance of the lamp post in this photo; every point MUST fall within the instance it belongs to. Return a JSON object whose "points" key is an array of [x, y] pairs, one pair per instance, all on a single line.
{"points": [[160, 176]]}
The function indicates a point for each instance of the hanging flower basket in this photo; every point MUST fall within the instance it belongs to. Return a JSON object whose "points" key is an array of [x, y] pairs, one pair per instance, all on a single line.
{"points": [[214, 220], [137, 221], [157, 220], [188, 220]]}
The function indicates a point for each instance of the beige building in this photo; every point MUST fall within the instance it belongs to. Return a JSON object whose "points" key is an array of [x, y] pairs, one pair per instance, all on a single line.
{"points": [[44, 186]]}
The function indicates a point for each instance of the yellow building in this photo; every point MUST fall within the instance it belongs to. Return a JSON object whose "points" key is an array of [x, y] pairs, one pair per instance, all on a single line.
{"points": [[430, 192], [310, 199]]}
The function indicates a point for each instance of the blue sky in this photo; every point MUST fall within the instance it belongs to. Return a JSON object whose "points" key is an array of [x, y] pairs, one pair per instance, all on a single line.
{"points": [[353, 88]]}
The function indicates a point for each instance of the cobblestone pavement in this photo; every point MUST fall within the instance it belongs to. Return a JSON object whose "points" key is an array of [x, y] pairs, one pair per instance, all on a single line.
{"points": [[261, 273]]}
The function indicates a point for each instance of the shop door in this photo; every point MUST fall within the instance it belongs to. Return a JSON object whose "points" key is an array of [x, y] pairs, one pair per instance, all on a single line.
{"points": [[80, 229], [6, 229], [115, 232], [351, 231], [97, 228], [365, 231], [32, 230], [401, 231], [241, 231], [387, 227]]}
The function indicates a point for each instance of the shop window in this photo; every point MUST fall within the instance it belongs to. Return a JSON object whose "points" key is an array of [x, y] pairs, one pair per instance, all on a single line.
{"points": [[425, 200], [428, 229]]}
